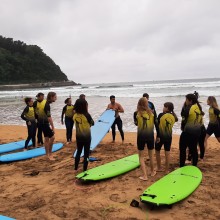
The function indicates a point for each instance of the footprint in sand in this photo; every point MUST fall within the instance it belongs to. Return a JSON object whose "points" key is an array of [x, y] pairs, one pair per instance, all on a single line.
{"points": [[121, 198]]}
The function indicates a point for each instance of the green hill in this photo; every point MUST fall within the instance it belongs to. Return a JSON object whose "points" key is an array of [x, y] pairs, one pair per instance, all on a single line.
{"points": [[21, 63]]}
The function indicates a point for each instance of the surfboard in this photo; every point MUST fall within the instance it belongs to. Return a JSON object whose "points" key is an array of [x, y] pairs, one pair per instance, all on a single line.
{"points": [[100, 129], [111, 169], [28, 154], [4, 148], [2, 217], [173, 187]]}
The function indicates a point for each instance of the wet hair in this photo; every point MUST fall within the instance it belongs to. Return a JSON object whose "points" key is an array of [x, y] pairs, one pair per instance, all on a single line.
{"points": [[81, 106], [112, 97], [39, 94], [196, 94], [213, 102], [82, 96], [146, 95], [194, 99], [67, 100], [143, 106], [50, 95], [27, 100], [170, 106]]}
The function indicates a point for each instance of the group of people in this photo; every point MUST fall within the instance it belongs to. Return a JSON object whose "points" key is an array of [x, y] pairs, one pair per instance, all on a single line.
{"points": [[38, 116]]}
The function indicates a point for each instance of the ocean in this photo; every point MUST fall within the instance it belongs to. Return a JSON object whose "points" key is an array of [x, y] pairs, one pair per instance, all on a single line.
{"points": [[127, 94]]}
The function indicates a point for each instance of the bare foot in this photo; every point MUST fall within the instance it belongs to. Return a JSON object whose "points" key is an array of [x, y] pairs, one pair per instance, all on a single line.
{"points": [[51, 158], [143, 178], [153, 173], [160, 170], [167, 171]]}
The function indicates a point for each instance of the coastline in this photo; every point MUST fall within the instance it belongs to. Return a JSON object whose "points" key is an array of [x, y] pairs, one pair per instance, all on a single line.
{"points": [[54, 194], [37, 85]]}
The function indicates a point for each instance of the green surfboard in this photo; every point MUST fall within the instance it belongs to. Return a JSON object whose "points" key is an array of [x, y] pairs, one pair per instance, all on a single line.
{"points": [[111, 169], [173, 187]]}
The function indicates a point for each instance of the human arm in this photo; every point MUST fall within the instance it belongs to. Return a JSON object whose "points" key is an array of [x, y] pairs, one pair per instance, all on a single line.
{"points": [[63, 112], [135, 118]]}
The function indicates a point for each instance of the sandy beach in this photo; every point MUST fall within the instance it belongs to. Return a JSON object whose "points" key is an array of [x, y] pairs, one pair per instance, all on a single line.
{"points": [[55, 194]]}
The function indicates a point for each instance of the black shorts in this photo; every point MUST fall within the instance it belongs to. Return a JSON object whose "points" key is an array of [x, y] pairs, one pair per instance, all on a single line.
{"points": [[213, 129], [48, 132], [141, 144], [166, 143]]}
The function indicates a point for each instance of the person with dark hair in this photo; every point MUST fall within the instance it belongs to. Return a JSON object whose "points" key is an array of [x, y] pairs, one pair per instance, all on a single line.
{"points": [[46, 122], [68, 111], [202, 134], [28, 115], [214, 120], [83, 121], [39, 105], [145, 122], [82, 96], [150, 104], [117, 108], [191, 128], [166, 121]]}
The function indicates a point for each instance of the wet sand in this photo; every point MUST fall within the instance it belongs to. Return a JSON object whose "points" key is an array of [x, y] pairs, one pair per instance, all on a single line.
{"points": [[55, 194]]}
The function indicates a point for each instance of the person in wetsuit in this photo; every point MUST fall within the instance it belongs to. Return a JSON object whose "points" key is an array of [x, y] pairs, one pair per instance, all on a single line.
{"points": [[145, 121], [28, 115], [214, 120], [118, 109], [150, 104], [68, 111], [202, 134], [46, 122], [39, 105], [83, 121], [166, 121], [191, 129]]}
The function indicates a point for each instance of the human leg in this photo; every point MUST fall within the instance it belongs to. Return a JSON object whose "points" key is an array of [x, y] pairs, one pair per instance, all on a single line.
{"points": [[182, 148], [120, 125], [79, 151], [86, 155]]}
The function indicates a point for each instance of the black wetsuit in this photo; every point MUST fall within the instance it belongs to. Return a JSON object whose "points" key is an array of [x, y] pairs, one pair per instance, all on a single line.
{"points": [[68, 111], [83, 137], [29, 116]]}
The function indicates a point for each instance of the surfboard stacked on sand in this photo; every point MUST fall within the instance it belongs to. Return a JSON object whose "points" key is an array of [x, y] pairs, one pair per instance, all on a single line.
{"points": [[24, 154]]}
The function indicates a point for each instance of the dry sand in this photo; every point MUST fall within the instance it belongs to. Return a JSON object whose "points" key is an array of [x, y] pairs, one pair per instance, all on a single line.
{"points": [[55, 194]]}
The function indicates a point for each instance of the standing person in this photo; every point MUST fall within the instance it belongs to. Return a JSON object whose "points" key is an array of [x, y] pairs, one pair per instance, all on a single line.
{"points": [[68, 111], [83, 121], [214, 120], [39, 105], [166, 121], [150, 104], [82, 96], [145, 121], [117, 108], [29, 116], [46, 122], [203, 131], [191, 129]]}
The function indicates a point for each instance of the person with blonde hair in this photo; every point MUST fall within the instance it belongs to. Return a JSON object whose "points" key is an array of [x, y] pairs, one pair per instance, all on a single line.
{"points": [[145, 121], [214, 119]]}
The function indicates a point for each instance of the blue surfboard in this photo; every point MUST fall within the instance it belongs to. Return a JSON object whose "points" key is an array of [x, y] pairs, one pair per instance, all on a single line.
{"points": [[100, 128], [28, 154], [6, 218], [4, 148]]}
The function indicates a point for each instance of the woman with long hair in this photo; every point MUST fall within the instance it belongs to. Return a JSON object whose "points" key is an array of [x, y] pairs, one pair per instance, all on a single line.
{"points": [[214, 119], [145, 121]]}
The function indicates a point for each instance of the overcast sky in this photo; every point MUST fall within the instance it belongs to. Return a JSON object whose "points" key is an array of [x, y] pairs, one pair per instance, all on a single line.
{"points": [[100, 41]]}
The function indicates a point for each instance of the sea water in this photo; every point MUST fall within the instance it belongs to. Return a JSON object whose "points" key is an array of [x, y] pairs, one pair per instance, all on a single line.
{"points": [[127, 94]]}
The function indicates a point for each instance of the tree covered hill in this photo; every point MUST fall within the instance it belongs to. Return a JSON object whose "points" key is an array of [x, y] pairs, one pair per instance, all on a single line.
{"points": [[21, 63]]}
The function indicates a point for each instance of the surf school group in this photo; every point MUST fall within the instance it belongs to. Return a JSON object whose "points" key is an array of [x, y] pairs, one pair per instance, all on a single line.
{"points": [[37, 115]]}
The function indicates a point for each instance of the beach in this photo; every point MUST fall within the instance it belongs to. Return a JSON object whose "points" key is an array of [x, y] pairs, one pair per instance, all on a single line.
{"points": [[55, 194]]}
